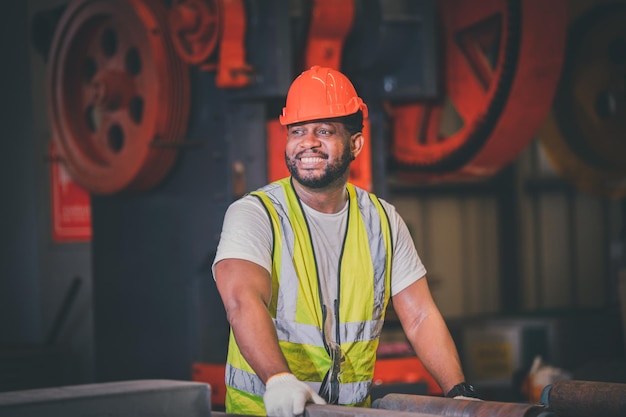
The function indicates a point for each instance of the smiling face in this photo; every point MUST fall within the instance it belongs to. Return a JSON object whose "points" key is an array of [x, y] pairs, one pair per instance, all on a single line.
{"points": [[319, 153]]}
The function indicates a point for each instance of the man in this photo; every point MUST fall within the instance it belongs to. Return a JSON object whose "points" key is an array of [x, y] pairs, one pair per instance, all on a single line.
{"points": [[306, 266]]}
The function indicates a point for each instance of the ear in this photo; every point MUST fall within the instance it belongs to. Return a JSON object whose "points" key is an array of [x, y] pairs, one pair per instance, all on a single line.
{"points": [[356, 144]]}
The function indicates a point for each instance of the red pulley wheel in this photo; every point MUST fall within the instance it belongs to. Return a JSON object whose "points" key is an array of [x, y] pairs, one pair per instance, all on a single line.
{"points": [[118, 95], [194, 26], [502, 61]]}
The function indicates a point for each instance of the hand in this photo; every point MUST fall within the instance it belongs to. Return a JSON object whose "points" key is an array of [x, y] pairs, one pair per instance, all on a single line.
{"points": [[285, 396]]}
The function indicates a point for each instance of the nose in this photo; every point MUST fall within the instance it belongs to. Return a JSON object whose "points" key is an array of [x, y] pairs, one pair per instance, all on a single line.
{"points": [[309, 140]]}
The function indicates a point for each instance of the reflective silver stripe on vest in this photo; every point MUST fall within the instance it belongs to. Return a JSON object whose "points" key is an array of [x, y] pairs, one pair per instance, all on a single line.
{"points": [[288, 290], [244, 381], [311, 335], [293, 332], [372, 221], [252, 384], [360, 331], [353, 392]]}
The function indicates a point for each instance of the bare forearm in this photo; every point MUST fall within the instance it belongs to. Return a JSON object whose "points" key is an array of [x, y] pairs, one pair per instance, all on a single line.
{"points": [[245, 290], [428, 334], [256, 337], [437, 351]]}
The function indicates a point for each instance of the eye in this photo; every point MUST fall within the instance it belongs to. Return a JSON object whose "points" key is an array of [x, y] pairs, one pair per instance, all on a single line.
{"points": [[325, 131], [296, 131]]}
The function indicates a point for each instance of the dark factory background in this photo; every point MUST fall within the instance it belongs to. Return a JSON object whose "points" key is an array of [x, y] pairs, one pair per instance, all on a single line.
{"points": [[517, 207]]}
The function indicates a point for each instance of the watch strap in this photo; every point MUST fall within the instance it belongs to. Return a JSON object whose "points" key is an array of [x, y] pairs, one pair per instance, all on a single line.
{"points": [[462, 389]]}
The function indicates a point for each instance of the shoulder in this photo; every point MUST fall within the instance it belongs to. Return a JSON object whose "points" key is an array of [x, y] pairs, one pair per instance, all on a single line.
{"points": [[399, 229], [246, 206], [390, 209]]}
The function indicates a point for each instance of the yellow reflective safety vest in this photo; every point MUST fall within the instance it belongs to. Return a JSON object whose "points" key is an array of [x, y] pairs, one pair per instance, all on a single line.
{"points": [[296, 304]]}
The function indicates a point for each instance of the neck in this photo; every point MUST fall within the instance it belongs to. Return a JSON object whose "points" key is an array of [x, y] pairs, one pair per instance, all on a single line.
{"points": [[330, 199]]}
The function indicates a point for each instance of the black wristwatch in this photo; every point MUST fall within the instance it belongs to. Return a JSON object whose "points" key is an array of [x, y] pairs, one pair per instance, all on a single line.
{"points": [[464, 389]]}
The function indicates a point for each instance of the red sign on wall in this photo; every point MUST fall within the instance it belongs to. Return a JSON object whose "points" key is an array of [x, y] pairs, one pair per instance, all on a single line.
{"points": [[71, 205]]}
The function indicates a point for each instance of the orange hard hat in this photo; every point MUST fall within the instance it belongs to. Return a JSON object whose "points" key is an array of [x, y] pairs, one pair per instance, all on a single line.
{"points": [[321, 93]]}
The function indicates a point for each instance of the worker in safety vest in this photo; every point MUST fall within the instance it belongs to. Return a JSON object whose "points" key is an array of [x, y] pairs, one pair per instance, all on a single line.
{"points": [[306, 266]]}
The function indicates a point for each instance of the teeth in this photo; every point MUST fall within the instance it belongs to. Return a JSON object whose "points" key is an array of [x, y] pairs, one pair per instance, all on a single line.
{"points": [[311, 160]]}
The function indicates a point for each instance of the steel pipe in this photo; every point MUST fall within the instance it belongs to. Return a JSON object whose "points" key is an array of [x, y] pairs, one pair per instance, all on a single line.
{"points": [[585, 398], [448, 407], [313, 410]]}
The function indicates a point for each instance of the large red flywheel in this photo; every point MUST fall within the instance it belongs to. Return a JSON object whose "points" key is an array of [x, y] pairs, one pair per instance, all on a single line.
{"points": [[584, 134], [118, 94], [501, 64]]}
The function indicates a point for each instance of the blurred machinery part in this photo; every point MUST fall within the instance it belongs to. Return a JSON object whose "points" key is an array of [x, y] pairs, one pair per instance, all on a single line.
{"points": [[118, 94], [211, 34], [390, 52], [501, 63], [42, 29], [331, 21], [584, 134], [195, 26]]}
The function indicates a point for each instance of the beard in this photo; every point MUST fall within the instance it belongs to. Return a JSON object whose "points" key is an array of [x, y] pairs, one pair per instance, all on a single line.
{"points": [[330, 174]]}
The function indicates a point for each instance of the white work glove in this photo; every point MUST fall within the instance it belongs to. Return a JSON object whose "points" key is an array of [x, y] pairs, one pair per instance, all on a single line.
{"points": [[463, 397], [285, 396]]}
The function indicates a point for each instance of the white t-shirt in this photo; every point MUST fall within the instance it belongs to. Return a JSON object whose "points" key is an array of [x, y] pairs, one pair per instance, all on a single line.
{"points": [[247, 234]]}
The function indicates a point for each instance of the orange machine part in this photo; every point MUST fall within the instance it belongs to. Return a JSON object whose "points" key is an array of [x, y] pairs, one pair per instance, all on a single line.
{"points": [[502, 65], [212, 374], [330, 24], [201, 27], [276, 137], [361, 167], [232, 69], [118, 95], [404, 370]]}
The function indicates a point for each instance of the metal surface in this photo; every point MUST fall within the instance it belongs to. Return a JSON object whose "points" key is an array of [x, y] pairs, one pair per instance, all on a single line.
{"points": [[312, 410], [449, 407], [502, 63], [154, 398], [584, 135], [115, 85], [343, 411], [586, 398]]}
